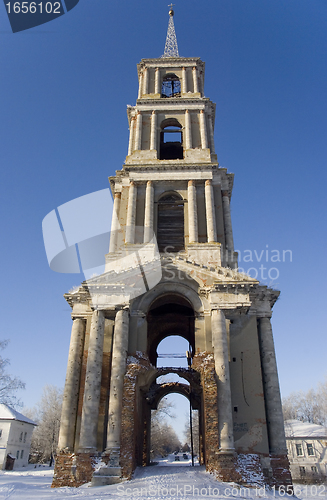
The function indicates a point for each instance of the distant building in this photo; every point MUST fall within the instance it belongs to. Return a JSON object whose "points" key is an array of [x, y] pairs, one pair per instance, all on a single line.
{"points": [[307, 449], [15, 438]]}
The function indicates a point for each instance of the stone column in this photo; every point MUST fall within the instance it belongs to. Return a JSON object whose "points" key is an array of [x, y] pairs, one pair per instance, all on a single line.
{"points": [[188, 130], [131, 136], [203, 130], [119, 354], [153, 138], [145, 81], [195, 80], [157, 89], [115, 224], [90, 411], [210, 212], [184, 82], [211, 135], [192, 213], [227, 222], [138, 132], [220, 347], [274, 414], [140, 86], [131, 213], [149, 209], [71, 391]]}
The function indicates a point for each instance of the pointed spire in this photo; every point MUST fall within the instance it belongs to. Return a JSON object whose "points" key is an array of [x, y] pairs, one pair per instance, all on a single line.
{"points": [[171, 47]]}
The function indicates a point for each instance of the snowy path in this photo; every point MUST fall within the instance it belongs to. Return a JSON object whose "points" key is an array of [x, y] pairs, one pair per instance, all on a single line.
{"points": [[149, 483]]}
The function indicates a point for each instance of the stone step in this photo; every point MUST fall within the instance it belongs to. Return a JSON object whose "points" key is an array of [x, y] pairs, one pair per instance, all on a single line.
{"points": [[105, 480], [108, 471]]}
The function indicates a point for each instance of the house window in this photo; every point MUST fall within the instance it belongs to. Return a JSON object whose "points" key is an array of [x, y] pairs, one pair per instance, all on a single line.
{"points": [[22, 454], [310, 449], [17, 454], [25, 435], [302, 471], [0, 433], [314, 468], [299, 450], [21, 437]]}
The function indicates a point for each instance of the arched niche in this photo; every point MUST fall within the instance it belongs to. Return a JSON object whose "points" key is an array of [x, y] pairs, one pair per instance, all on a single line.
{"points": [[169, 315]]}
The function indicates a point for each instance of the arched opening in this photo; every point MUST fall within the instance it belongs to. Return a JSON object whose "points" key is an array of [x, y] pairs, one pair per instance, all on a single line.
{"points": [[170, 233], [169, 316], [171, 442], [171, 351], [171, 86], [171, 140]]}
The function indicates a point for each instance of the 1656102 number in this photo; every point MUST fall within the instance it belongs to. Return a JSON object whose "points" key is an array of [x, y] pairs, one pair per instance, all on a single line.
{"points": [[33, 7]]}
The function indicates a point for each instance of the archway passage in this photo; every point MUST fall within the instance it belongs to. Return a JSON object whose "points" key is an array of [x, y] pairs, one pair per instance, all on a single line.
{"points": [[170, 233], [169, 315]]}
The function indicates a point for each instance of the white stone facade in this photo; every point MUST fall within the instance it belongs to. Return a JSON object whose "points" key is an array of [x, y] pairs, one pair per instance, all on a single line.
{"points": [[307, 450], [15, 436]]}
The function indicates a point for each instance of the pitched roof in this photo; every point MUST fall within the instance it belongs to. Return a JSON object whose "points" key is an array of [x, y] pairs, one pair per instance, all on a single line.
{"points": [[8, 413], [295, 428]]}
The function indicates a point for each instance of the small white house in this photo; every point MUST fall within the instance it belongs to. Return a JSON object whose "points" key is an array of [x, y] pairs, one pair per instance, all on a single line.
{"points": [[15, 438], [307, 449]]}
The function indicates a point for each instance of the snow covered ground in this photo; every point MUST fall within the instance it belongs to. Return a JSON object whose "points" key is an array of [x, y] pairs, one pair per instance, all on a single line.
{"points": [[149, 483]]}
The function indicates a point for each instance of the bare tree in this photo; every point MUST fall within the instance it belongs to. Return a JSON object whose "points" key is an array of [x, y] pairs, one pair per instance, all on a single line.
{"points": [[8, 385], [164, 439], [47, 415], [310, 406]]}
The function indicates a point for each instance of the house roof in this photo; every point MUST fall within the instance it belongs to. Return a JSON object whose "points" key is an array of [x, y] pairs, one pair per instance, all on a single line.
{"points": [[8, 413], [297, 429]]}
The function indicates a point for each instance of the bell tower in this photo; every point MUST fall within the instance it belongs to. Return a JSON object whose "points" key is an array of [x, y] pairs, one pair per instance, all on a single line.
{"points": [[171, 270]]}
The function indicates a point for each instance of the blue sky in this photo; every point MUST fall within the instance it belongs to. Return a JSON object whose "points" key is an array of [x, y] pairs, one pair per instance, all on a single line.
{"points": [[64, 90]]}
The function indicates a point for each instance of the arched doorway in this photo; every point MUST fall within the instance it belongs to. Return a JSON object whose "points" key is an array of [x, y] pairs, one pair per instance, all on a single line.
{"points": [[170, 233]]}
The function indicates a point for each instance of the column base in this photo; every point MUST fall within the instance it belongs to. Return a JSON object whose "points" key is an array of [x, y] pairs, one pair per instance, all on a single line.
{"points": [[107, 475], [73, 469]]}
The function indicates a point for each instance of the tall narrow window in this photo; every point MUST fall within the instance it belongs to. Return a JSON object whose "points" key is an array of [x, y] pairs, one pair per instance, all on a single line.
{"points": [[310, 449], [299, 450], [171, 86], [171, 223], [171, 140]]}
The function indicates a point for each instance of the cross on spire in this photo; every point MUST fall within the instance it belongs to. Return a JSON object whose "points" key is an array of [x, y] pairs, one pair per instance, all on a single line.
{"points": [[171, 47]]}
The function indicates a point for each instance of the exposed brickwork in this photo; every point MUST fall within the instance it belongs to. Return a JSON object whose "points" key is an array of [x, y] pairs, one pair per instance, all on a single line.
{"points": [[131, 427], [204, 363], [250, 469], [73, 469], [281, 475]]}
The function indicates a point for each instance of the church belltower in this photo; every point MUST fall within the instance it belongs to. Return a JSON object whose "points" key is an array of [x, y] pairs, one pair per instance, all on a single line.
{"points": [[172, 220]]}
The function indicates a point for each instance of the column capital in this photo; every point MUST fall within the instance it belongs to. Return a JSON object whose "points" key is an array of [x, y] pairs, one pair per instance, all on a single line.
{"points": [[208, 182], [224, 193]]}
